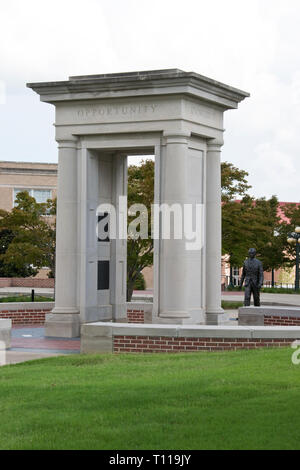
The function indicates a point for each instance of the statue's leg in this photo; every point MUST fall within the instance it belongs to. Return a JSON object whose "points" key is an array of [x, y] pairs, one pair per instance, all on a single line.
{"points": [[247, 296], [256, 296]]}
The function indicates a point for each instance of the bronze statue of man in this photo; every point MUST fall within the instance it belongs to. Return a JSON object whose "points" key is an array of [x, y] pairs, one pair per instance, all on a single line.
{"points": [[253, 275]]}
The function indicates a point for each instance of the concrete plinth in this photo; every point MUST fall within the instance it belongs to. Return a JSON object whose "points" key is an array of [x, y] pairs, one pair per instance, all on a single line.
{"points": [[5, 333], [269, 315], [62, 325]]}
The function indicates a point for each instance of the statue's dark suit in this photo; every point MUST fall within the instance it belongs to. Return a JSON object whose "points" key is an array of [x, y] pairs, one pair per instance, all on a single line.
{"points": [[253, 276]]}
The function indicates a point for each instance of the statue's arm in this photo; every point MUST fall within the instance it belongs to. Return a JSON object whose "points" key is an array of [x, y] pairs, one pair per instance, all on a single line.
{"points": [[243, 276], [261, 275]]}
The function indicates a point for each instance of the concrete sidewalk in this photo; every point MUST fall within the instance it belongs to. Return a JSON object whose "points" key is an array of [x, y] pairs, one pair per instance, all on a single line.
{"points": [[267, 299], [11, 291], [29, 342]]}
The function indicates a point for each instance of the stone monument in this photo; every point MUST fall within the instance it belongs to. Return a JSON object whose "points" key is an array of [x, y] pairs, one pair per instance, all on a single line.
{"points": [[100, 120]]}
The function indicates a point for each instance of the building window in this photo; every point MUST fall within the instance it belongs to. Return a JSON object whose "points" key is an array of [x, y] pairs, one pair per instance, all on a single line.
{"points": [[236, 275], [40, 195]]}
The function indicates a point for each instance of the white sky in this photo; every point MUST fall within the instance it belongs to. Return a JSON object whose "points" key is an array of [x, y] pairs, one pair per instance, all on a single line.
{"points": [[250, 44]]}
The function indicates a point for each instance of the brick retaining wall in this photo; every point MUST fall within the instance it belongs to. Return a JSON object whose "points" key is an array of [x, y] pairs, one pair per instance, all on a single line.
{"points": [[161, 344], [135, 316], [281, 321], [157, 338], [26, 282], [34, 312], [139, 312], [26, 312]]}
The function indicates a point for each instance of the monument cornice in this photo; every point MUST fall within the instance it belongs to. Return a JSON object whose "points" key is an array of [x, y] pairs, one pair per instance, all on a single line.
{"points": [[144, 83]]}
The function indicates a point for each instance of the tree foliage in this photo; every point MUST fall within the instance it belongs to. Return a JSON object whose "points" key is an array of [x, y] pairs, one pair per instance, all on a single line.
{"points": [[292, 214], [32, 236], [140, 191], [250, 222], [233, 182]]}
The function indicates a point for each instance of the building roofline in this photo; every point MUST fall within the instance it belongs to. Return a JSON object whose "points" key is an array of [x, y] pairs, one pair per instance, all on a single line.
{"points": [[28, 163]]}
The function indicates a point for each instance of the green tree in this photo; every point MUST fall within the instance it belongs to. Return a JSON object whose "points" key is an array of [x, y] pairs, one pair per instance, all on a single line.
{"points": [[254, 223], [236, 222], [11, 270], [235, 217], [33, 242], [292, 214], [139, 250], [269, 235], [233, 182]]}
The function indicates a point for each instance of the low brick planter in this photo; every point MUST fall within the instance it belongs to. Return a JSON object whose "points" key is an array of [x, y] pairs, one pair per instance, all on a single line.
{"points": [[147, 344], [269, 315], [26, 312], [34, 312], [156, 338], [139, 312]]}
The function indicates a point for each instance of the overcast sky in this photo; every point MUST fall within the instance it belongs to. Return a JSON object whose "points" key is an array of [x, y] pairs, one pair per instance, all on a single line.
{"points": [[253, 45]]}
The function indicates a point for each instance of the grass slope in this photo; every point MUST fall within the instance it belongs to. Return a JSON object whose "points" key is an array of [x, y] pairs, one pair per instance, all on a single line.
{"points": [[226, 400]]}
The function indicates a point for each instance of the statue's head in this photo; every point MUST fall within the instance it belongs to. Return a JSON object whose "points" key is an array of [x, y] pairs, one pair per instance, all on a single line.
{"points": [[252, 253]]}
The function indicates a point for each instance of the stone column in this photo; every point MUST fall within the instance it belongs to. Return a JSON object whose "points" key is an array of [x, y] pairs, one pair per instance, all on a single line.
{"points": [[213, 232], [119, 245], [64, 319], [173, 305]]}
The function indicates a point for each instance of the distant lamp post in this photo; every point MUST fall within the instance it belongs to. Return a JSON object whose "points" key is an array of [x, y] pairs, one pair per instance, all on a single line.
{"points": [[294, 239]]}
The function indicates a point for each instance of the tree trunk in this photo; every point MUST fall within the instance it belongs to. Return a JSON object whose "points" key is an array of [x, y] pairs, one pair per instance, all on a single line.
{"points": [[129, 290]]}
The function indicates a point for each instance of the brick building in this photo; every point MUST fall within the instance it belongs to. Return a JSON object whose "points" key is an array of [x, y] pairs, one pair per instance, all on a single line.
{"points": [[39, 179]]}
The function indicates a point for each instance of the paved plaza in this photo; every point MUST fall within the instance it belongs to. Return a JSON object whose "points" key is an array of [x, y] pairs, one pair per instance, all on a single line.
{"points": [[28, 342]]}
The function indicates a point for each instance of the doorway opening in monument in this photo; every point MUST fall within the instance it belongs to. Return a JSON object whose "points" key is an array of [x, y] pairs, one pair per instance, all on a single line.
{"points": [[140, 246]]}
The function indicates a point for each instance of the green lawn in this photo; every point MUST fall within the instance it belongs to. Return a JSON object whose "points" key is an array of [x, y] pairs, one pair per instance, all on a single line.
{"points": [[231, 304], [228, 400], [25, 298]]}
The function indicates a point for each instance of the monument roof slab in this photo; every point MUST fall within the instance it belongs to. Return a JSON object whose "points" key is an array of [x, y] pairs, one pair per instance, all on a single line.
{"points": [[141, 83]]}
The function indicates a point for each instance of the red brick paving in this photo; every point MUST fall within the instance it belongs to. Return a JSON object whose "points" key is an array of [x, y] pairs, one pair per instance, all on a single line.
{"points": [[39, 341], [45, 343]]}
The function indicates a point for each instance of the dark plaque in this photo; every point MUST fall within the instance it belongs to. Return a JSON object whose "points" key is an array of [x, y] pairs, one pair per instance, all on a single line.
{"points": [[103, 275]]}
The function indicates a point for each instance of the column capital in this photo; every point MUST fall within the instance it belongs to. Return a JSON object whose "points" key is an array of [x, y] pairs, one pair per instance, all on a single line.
{"points": [[215, 145], [176, 137], [68, 143]]}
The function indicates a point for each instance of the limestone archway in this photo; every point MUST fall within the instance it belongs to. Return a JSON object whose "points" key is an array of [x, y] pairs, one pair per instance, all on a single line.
{"points": [[100, 119]]}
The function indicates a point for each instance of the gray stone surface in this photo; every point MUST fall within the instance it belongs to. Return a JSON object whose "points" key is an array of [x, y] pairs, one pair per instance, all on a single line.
{"points": [[255, 315], [63, 325], [26, 306], [5, 333]]}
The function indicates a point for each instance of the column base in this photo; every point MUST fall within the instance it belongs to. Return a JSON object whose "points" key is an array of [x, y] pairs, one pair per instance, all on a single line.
{"points": [[212, 317], [179, 317], [62, 325]]}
